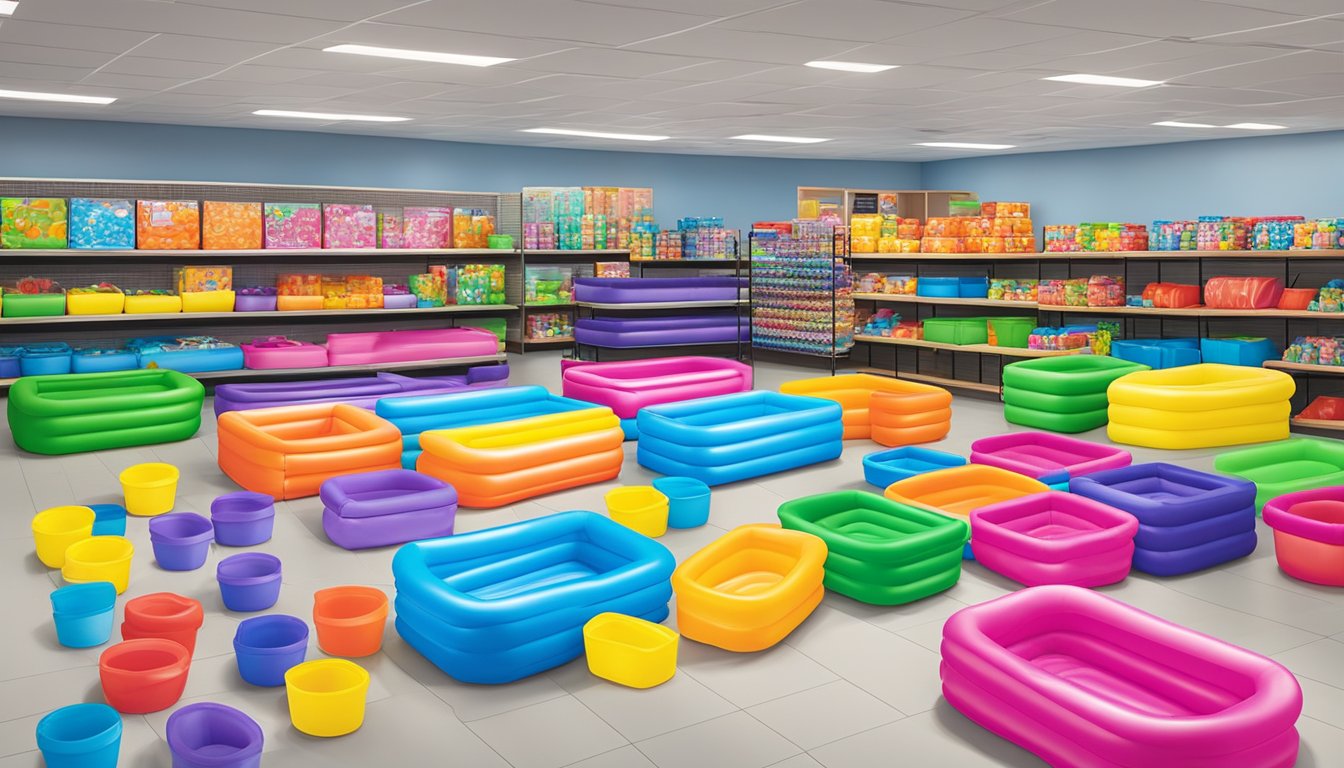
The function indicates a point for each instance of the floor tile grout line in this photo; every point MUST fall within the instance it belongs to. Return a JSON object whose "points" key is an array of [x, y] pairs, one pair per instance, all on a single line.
{"points": [[691, 675]]}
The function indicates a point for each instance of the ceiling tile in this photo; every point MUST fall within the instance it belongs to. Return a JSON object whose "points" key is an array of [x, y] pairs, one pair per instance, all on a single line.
{"points": [[859, 20], [1183, 18], [553, 19], [335, 10], [720, 43], [416, 38], [69, 36], [207, 49], [606, 62]]}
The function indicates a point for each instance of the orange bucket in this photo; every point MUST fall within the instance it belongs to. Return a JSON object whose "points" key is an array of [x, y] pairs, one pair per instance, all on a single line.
{"points": [[350, 620]]}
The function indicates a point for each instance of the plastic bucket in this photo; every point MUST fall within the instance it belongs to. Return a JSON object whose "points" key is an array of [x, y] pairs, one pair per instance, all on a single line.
{"points": [[55, 529], [108, 519], [249, 582], [327, 696], [145, 675], [243, 518], [687, 501], [99, 558], [181, 540], [210, 735], [150, 489], [640, 508], [629, 650], [80, 736], [164, 615], [350, 620], [265, 647], [84, 613]]}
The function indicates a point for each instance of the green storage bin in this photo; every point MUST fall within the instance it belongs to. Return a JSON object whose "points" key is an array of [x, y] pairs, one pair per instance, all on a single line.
{"points": [[957, 330], [33, 304], [1012, 331]]}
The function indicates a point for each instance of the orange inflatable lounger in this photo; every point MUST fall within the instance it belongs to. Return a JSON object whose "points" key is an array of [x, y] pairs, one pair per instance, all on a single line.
{"points": [[491, 465], [891, 411], [288, 451]]}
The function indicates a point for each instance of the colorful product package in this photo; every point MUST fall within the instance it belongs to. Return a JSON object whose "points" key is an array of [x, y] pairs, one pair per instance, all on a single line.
{"points": [[389, 228], [293, 225], [1063, 293], [1007, 289], [363, 292], [427, 227], [346, 225], [333, 292], [33, 222], [295, 284], [230, 226], [1243, 292], [1106, 291], [543, 326], [548, 285], [202, 279], [480, 284], [612, 268], [101, 224], [472, 228], [166, 225], [429, 289]]}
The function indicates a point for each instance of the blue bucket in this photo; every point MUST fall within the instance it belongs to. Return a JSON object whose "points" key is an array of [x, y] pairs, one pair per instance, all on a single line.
{"points": [[84, 613], [108, 519], [80, 736], [687, 501], [249, 582], [267, 646], [181, 540]]}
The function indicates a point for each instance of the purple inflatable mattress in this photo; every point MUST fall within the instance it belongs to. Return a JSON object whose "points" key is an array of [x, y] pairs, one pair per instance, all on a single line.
{"points": [[634, 290], [617, 333], [360, 392]]}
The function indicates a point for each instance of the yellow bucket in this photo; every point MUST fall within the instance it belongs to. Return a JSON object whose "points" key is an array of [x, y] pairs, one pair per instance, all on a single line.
{"points": [[150, 489], [55, 529], [630, 651], [99, 558], [640, 508], [208, 301], [326, 696]]}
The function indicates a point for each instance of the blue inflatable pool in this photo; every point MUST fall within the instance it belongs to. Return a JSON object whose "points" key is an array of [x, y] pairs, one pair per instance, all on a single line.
{"points": [[739, 436], [504, 603], [413, 415]]}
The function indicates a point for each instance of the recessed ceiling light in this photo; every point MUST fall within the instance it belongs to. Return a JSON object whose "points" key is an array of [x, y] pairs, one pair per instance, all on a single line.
{"points": [[329, 116], [963, 145], [434, 56], [779, 139], [65, 97], [598, 134], [1179, 124], [1257, 126], [7, 7], [851, 66], [1123, 82]]}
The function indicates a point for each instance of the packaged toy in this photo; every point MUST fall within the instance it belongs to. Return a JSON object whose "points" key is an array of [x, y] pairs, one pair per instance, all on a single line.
{"points": [[230, 226], [1007, 289], [165, 225], [1061, 238], [612, 268], [1172, 236], [200, 279], [1106, 291], [349, 226], [1171, 295], [389, 227], [33, 222], [427, 227], [1063, 293], [472, 228], [1243, 292], [429, 290], [542, 326], [480, 284], [549, 285], [102, 224], [293, 225]]}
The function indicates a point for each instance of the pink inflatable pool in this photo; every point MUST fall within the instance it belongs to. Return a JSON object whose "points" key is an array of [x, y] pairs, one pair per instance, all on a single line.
{"points": [[1081, 679], [280, 352], [405, 346], [625, 387], [1055, 538], [1309, 534], [1046, 456]]}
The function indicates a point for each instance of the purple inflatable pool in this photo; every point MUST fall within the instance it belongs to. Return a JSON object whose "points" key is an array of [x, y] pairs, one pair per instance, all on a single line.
{"points": [[360, 392], [619, 333], [391, 506], [633, 290]]}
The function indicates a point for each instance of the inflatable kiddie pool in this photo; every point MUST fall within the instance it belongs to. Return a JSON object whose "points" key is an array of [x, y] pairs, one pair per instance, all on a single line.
{"points": [[1298, 464], [678, 330], [886, 467], [625, 387], [361, 392], [372, 347], [1200, 406], [1309, 534], [890, 411], [636, 290], [1055, 538], [1081, 679], [957, 491], [1061, 394], [1046, 456]]}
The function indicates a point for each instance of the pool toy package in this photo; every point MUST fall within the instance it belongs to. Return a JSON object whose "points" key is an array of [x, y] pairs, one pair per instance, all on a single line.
{"points": [[1008, 289], [1106, 291], [165, 225], [1002, 210], [201, 279], [33, 222], [864, 231], [549, 285], [1222, 233], [102, 224], [1064, 338], [1061, 238], [293, 225], [389, 227], [349, 226], [612, 269], [1315, 350], [427, 227], [1274, 233], [480, 284], [1063, 293], [298, 285], [472, 228], [549, 325], [1171, 295], [230, 226], [1243, 292], [430, 289], [1319, 234], [1172, 236]]}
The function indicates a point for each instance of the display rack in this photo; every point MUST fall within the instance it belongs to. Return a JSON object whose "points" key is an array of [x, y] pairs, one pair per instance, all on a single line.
{"points": [[911, 203], [802, 292]]}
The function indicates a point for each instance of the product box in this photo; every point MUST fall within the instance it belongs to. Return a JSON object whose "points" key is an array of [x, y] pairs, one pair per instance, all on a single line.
{"points": [[230, 226], [549, 285], [427, 227], [202, 279], [472, 228], [429, 289], [33, 222], [542, 326], [480, 284], [612, 268], [389, 227], [349, 226], [102, 224], [296, 284], [293, 225], [166, 225]]}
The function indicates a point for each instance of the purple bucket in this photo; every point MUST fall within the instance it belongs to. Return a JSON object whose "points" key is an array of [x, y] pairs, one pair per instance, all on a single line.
{"points": [[181, 540], [399, 301], [249, 582], [210, 735], [253, 303], [243, 518]]}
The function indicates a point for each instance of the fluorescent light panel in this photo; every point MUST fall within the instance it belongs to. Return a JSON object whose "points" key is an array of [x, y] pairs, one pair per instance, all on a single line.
{"points": [[851, 66], [1179, 124], [1256, 126], [7, 7], [329, 116], [63, 97], [963, 145], [597, 134], [1123, 82], [434, 56], [779, 139]]}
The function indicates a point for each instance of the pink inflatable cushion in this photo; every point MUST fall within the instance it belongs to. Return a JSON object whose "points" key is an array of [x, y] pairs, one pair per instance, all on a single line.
{"points": [[406, 346], [1047, 456], [280, 352], [1055, 538], [625, 387], [1081, 679]]}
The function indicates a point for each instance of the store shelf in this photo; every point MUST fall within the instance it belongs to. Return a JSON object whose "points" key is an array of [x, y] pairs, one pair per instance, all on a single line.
{"points": [[232, 317], [689, 263], [898, 298], [983, 349], [565, 305], [1325, 424], [1282, 365], [942, 381], [1141, 311], [579, 255], [662, 304], [670, 346], [1101, 255], [262, 254], [551, 342]]}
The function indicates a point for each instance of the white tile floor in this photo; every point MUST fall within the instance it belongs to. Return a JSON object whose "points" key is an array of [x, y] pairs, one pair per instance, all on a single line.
{"points": [[856, 685]]}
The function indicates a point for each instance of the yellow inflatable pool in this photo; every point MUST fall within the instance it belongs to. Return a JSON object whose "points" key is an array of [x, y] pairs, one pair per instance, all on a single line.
{"points": [[1199, 406]]}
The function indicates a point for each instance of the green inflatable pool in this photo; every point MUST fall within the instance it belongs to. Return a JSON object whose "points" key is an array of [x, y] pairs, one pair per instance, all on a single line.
{"points": [[1287, 466], [78, 412], [1061, 394], [879, 551]]}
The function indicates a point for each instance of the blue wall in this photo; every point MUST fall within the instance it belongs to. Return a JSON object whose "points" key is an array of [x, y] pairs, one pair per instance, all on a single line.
{"points": [[740, 189], [1264, 175]]}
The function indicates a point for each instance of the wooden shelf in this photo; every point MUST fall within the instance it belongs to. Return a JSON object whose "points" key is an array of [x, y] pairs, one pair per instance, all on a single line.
{"points": [[272, 316], [1282, 365], [983, 349], [895, 298], [1101, 255], [942, 381], [901, 298], [1333, 426], [554, 340], [691, 263], [22, 255]]}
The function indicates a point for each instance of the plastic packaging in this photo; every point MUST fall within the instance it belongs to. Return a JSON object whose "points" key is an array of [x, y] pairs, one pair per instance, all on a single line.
{"points": [[102, 224], [293, 225], [33, 222], [167, 225], [1243, 292], [1171, 295]]}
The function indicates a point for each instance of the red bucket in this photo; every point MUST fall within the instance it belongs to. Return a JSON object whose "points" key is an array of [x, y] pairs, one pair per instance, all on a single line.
{"points": [[142, 676], [166, 615]]}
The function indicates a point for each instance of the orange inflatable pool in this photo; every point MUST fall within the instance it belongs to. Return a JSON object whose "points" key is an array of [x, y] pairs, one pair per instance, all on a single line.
{"points": [[958, 490], [891, 411], [287, 452], [491, 465]]}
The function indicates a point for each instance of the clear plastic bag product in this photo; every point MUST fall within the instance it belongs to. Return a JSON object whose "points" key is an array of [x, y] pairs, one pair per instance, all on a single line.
{"points": [[1243, 292]]}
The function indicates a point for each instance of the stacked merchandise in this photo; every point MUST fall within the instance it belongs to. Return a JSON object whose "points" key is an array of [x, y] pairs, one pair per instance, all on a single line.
{"points": [[1315, 350], [695, 239], [1276, 233], [1222, 233], [802, 294], [1172, 236], [1110, 236], [884, 231], [1000, 227], [1061, 238], [589, 218], [1318, 234]]}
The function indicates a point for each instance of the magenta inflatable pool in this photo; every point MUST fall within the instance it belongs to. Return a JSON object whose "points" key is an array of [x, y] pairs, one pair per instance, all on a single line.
{"points": [[373, 347], [627, 386], [620, 332], [635, 290], [360, 392]]}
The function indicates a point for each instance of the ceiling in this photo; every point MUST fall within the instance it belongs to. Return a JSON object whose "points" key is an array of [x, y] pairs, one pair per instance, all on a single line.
{"points": [[699, 71]]}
